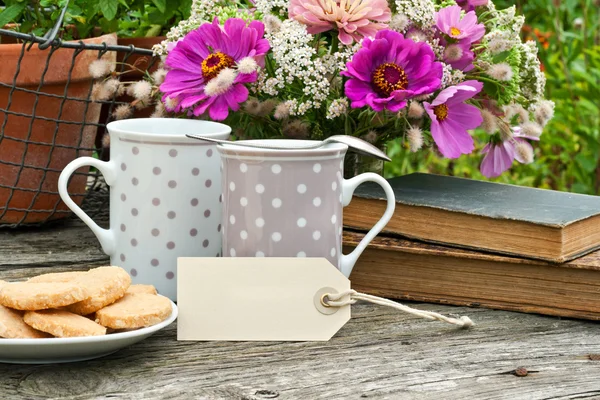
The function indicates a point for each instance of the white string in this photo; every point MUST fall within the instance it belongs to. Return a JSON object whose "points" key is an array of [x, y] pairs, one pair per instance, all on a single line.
{"points": [[335, 300]]}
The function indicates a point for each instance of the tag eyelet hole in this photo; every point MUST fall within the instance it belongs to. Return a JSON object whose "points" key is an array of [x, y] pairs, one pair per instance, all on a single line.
{"points": [[325, 300]]}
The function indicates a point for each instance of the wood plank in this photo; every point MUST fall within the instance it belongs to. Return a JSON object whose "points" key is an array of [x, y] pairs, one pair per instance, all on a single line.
{"points": [[63, 243], [380, 354]]}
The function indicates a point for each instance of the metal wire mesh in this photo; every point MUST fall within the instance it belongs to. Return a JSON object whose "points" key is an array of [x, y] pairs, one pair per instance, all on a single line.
{"points": [[47, 119]]}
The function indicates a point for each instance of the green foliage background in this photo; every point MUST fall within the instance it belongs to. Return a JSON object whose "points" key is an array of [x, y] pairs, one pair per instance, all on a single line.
{"points": [[568, 156]]}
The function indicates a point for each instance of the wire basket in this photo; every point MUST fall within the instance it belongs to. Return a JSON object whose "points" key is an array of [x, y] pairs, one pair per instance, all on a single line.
{"points": [[47, 119]]}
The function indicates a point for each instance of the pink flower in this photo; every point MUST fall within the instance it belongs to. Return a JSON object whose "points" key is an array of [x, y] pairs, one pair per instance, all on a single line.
{"points": [[458, 55], [389, 70], [451, 118], [469, 5], [449, 21], [354, 19], [499, 155], [203, 75]]}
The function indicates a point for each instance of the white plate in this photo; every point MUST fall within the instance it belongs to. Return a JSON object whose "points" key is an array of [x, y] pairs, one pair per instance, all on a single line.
{"points": [[61, 350]]}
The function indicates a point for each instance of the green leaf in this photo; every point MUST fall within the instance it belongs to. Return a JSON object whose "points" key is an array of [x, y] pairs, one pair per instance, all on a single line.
{"points": [[161, 5], [109, 8], [11, 13], [587, 163], [153, 31]]}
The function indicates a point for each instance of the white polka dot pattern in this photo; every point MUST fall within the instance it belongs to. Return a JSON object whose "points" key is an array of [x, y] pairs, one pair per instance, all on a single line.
{"points": [[280, 208]]}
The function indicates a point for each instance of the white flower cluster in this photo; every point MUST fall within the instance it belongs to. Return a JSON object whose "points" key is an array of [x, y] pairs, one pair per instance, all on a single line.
{"points": [[399, 23], [266, 6], [419, 12], [438, 49], [498, 41], [533, 80], [296, 61], [446, 76], [337, 61], [337, 108], [503, 28], [265, 84]]}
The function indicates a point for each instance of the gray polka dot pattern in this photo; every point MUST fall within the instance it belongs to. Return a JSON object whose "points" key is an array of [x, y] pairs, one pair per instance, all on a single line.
{"points": [[166, 206], [282, 208]]}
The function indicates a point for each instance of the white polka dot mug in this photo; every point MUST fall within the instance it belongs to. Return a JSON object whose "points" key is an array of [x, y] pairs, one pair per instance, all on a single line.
{"points": [[165, 194], [288, 203]]}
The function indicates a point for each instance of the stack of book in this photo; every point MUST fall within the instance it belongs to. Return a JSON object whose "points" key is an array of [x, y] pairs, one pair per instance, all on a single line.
{"points": [[465, 242]]}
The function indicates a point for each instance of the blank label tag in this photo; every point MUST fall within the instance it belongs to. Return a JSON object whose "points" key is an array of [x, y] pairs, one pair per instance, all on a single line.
{"points": [[263, 299]]}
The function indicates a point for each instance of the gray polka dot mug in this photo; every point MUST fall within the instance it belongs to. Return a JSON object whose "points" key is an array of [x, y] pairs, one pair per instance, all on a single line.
{"points": [[165, 197], [288, 203]]}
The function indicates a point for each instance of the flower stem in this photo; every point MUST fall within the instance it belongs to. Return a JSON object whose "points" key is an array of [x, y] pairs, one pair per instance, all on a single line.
{"points": [[38, 14], [335, 43]]}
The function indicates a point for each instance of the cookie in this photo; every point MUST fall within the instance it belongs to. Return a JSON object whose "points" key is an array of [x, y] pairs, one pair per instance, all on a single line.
{"points": [[135, 311], [137, 289], [62, 323], [57, 277], [105, 285], [12, 326], [40, 296]]}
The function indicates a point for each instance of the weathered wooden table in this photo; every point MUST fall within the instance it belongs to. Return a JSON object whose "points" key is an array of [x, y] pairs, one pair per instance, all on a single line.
{"points": [[380, 353]]}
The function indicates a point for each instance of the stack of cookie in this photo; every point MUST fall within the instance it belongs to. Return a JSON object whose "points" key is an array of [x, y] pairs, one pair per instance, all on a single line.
{"points": [[71, 304]]}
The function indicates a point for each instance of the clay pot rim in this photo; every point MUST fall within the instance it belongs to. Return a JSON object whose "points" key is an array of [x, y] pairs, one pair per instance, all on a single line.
{"points": [[15, 48]]}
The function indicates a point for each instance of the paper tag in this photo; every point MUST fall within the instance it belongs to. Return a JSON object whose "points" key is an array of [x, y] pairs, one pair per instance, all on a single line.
{"points": [[258, 299]]}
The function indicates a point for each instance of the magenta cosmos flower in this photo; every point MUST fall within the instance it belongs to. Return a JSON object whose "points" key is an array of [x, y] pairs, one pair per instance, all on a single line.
{"points": [[353, 19], [469, 5], [450, 22], [389, 70], [499, 155], [203, 75], [451, 118]]}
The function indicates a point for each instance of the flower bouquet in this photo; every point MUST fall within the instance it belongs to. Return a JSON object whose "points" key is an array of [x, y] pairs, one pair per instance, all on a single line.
{"points": [[426, 72]]}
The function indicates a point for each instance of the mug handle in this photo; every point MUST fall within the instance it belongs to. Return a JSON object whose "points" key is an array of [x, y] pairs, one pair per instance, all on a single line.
{"points": [[348, 187], [106, 237]]}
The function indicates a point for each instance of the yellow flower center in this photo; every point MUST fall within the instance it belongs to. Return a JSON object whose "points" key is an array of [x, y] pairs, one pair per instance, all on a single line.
{"points": [[215, 63], [441, 112], [389, 77], [454, 31]]}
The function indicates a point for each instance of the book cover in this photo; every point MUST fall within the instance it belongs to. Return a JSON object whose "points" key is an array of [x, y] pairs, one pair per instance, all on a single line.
{"points": [[507, 219], [487, 199]]}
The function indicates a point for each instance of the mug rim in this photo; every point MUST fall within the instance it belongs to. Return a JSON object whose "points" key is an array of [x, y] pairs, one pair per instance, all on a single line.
{"points": [[125, 129], [329, 149]]}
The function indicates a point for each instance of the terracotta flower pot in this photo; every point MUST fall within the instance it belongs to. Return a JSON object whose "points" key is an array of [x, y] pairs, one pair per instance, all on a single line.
{"points": [[33, 149], [140, 61]]}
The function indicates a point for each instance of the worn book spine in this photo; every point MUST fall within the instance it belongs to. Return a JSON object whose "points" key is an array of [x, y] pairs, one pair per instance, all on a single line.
{"points": [[408, 270]]}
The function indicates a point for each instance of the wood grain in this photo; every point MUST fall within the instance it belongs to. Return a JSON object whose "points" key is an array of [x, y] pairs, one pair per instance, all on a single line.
{"points": [[379, 354]]}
